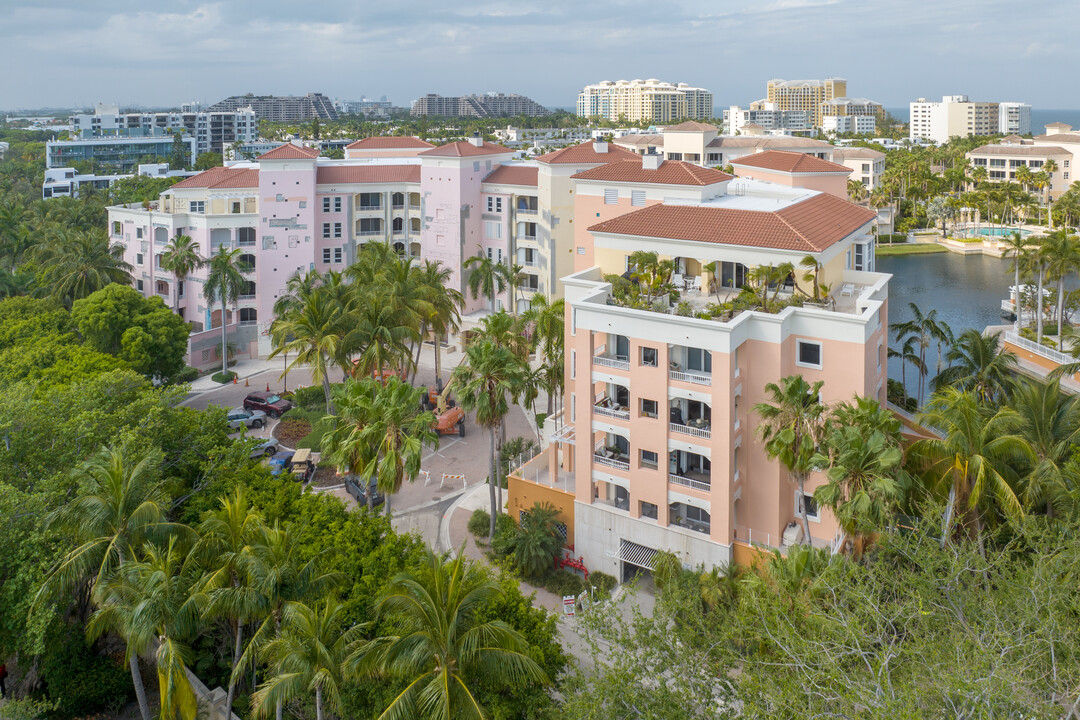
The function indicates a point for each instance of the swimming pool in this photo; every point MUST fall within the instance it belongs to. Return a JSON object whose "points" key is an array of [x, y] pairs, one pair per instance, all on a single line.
{"points": [[1002, 231]]}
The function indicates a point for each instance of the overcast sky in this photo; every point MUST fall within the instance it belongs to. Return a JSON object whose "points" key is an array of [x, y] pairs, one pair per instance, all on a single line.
{"points": [[66, 53]]}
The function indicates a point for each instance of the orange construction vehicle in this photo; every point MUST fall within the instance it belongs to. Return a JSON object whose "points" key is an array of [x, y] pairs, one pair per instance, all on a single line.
{"points": [[449, 418]]}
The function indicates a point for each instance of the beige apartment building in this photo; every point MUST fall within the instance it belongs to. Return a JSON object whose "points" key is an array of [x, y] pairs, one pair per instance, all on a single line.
{"points": [[638, 100], [1002, 160], [954, 116], [806, 95], [867, 165]]}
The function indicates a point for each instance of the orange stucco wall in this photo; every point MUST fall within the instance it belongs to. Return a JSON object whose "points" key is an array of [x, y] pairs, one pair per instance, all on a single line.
{"points": [[523, 495]]}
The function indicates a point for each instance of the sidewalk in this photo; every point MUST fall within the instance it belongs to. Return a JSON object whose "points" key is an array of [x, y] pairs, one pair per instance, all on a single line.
{"points": [[243, 369]]}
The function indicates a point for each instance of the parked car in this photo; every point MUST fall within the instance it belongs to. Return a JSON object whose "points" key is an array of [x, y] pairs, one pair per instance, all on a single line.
{"points": [[265, 449], [281, 462], [355, 487], [242, 417], [270, 403]]}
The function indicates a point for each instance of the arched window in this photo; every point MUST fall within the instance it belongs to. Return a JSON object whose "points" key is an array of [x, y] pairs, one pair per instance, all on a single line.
{"points": [[248, 316], [116, 228], [399, 225], [249, 289], [399, 248], [414, 226], [249, 261], [398, 200]]}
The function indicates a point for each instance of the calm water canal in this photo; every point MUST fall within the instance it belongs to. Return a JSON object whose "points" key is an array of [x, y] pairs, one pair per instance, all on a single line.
{"points": [[966, 290]]}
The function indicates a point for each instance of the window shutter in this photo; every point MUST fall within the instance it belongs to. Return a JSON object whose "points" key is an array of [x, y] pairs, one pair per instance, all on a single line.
{"points": [[611, 197]]}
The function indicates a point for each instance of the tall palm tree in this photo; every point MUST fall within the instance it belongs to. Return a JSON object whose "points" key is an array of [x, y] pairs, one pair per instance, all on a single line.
{"points": [[280, 576], [381, 336], [120, 506], [506, 331], [548, 321], [650, 271], [181, 257], [514, 275], [227, 537], [1049, 421], [1049, 167], [485, 381], [444, 309], [791, 429], [306, 657], [927, 329], [1015, 246], [154, 602], [225, 281], [486, 277], [1062, 259], [314, 332], [78, 263], [979, 363], [442, 646], [380, 432], [975, 458]]}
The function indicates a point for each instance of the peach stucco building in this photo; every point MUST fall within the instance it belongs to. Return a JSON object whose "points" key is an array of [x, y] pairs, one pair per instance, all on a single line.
{"points": [[658, 447]]}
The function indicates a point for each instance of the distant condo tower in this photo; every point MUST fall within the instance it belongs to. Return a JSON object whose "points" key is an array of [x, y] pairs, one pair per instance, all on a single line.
{"points": [[637, 100], [486, 105], [278, 108]]}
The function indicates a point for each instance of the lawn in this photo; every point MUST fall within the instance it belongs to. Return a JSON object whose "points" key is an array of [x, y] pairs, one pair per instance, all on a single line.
{"points": [[909, 249]]}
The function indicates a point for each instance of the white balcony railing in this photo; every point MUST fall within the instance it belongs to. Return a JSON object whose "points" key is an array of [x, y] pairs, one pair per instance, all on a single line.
{"points": [[611, 462], [691, 431], [1041, 350], [689, 482], [611, 362], [696, 378], [608, 412], [529, 263]]}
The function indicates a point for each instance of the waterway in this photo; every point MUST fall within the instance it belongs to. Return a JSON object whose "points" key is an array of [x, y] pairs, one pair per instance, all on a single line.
{"points": [[966, 291]]}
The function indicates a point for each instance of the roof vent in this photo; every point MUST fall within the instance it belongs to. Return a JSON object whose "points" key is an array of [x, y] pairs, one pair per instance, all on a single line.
{"points": [[599, 146], [476, 140], [651, 161]]}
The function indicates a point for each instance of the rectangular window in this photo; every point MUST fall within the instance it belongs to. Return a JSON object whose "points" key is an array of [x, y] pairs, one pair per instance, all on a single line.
{"points": [[674, 156], [138, 232], [809, 354], [611, 197], [573, 364], [370, 201], [326, 204], [326, 255], [493, 230], [337, 256], [648, 357], [139, 284], [236, 207], [370, 226], [476, 166], [245, 237], [337, 204], [649, 459], [491, 204], [337, 230], [649, 408], [573, 407], [326, 230], [197, 206], [648, 510], [807, 506], [637, 198], [138, 259]]}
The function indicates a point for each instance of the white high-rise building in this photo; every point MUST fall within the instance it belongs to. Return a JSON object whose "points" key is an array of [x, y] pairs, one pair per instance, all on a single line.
{"points": [[1014, 118], [958, 116], [637, 100]]}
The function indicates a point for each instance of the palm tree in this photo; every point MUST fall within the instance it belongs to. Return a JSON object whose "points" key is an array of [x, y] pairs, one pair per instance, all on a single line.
{"points": [[280, 577], [856, 191], [1062, 258], [926, 328], [306, 657], [154, 601], [1049, 167], [444, 315], [443, 646], [1015, 246], [119, 507], [980, 364], [539, 541], [313, 330], [813, 268], [181, 257], [548, 321], [651, 272], [78, 264], [791, 428], [974, 459], [381, 433], [506, 331], [485, 381], [381, 336], [226, 538], [486, 277], [1035, 261], [514, 275], [225, 281], [1049, 421]]}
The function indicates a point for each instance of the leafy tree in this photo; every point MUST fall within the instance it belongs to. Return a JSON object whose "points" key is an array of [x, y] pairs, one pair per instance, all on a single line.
{"points": [[486, 277], [791, 428], [208, 160], [1048, 419], [440, 647], [76, 264], [141, 331]]}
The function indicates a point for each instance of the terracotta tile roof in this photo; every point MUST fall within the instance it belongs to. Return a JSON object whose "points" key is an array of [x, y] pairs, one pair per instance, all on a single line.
{"points": [[1065, 137], [463, 148], [1058, 124], [513, 175], [288, 151], [809, 226], [1018, 150], [766, 141], [344, 174], [585, 154], [669, 173], [691, 126], [790, 162], [388, 142], [222, 177], [862, 153], [1012, 139], [640, 139]]}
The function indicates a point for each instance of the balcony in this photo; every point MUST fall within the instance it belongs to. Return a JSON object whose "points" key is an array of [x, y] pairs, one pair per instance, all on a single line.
{"points": [[538, 471], [612, 462], [692, 483], [611, 362], [691, 430], [529, 263], [526, 211], [618, 413], [690, 377]]}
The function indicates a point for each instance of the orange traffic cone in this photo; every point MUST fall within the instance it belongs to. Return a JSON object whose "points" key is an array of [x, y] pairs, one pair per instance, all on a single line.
{"points": [[246, 383], [267, 387], [234, 379]]}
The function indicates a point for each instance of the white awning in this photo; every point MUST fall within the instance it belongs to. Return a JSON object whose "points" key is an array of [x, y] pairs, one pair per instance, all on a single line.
{"points": [[635, 554]]}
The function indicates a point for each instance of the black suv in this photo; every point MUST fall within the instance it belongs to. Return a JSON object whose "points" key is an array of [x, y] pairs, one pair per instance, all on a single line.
{"points": [[354, 486]]}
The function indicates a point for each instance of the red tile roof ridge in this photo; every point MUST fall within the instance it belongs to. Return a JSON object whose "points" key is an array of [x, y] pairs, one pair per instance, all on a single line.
{"points": [[790, 162], [389, 142], [669, 172], [514, 175], [464, 148], [585, 154], [288, 151]]}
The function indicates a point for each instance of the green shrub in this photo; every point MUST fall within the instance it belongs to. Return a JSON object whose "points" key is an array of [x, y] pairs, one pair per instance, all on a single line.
{"points": [[563, 582], [684, 309], [310, 398], [602, 583], [506, 535], [223, 377], [188, 374], [81, 681], [480, 522]]}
